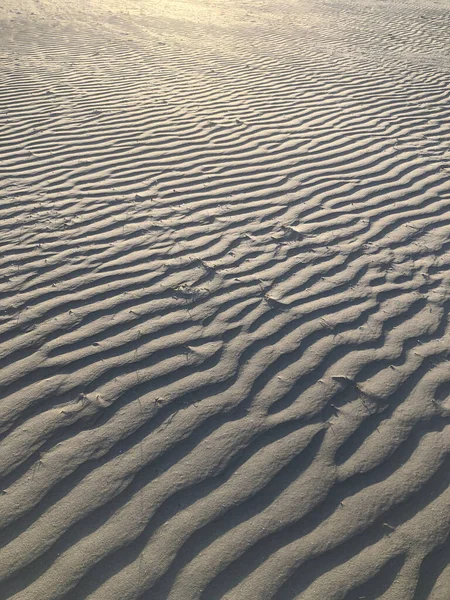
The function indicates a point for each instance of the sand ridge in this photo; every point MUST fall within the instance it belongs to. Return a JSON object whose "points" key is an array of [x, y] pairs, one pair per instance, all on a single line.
{"points": [[224, 300]]}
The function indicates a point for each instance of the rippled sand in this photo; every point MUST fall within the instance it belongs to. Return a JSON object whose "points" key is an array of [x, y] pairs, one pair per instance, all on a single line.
{"points": [[224, 300]]}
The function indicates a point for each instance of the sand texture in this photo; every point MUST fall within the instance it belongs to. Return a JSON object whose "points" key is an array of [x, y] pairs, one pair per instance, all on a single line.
{"points": [[224, 299]]}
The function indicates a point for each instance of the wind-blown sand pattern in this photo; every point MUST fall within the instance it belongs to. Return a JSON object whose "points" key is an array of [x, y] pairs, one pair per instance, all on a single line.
{"points": [[225, 293]]}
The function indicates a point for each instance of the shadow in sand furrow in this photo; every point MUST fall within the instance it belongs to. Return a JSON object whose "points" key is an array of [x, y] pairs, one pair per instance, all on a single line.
{"points": [[370, 370], [327, 260], [442, 392], [44, 372], [91, 522], [414, 250], [200, 540], [431, 568], [137, 434], [98, 415], [288, 153], [96, 222], [398, 222], [268, 192], [440, 252], [106, 510], [341, 348], [247, 182], [99, 294], [225, 189], [354, 278], [382, 230], [371, 589], [257, 210], [426, 228], [184, 499], [208, 243], [143, 385], [298, 288], [355, 541], [22, 324], [62, 352], [370, 425], [286, 359], [374, 204], [174, 304], [156, 357], [121, 286], [18, 257], [419, 499], [283, 162], [394, 459], [380, 583], [371, 196]]}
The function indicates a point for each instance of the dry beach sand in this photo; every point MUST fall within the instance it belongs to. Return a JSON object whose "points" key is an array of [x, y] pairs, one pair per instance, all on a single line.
{"points": [[224, 299]]}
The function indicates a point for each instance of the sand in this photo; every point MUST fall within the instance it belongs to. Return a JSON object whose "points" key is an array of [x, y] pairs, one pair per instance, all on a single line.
{"points": [[224, 299]]}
